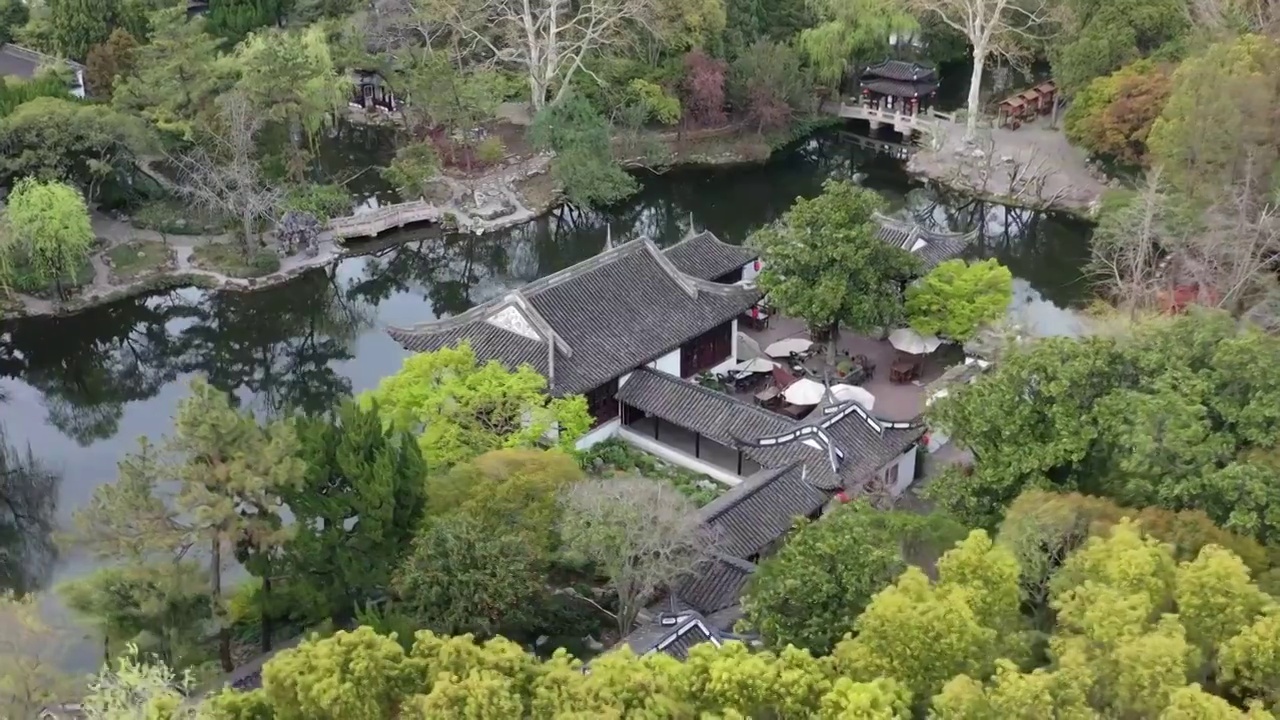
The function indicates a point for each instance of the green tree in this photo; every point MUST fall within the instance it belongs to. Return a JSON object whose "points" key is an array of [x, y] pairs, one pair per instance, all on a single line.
{"points": [[13, 15], [362, 497], [413, 169], [231, 474], [357, 675], [52, 234], [15, 91], [682, 25], [29, 657], [641, 535], [234, 19], [1251, 660], [955, 299], [812, 591], [464, 409], [584, 167], [515, 490], [90, 146], [923, 634], [1217, 129], [176, 76], [1043, 528], [80, 24], [825, 264], [465, 574], [1098, 38], [106, 61], [293, 76], [1176, 416], [160, 607]]}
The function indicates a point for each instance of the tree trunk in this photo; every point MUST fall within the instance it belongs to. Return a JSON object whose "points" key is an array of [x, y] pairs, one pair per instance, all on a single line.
{"points": [[833, 339], [1053, 116], [246, 222], [224, 632], [266, 613], [975, 93]]}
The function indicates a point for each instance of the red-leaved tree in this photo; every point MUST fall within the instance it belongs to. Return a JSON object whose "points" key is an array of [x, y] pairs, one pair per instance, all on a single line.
{"points": [[704, 89]]}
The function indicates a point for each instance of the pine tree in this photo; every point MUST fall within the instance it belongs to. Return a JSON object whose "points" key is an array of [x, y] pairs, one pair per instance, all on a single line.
{"points": [[362, 498]]}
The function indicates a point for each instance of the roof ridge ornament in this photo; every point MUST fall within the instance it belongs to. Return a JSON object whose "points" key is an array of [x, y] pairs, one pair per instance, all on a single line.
{"points": [[685, 282]]}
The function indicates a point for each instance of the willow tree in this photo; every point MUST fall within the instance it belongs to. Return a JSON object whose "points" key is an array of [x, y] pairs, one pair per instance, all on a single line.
{"points": [[852, 30], [51, 227]]}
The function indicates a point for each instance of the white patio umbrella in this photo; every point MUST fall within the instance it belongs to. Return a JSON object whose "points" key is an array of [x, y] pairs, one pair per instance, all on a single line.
{"points": [[755, 365], [804, 392], [862, 396], [783, 348], [913, 343], [748, 347]]}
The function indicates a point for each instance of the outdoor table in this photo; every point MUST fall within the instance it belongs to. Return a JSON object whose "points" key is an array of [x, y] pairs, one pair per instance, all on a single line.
{"points": [[902, 372]]}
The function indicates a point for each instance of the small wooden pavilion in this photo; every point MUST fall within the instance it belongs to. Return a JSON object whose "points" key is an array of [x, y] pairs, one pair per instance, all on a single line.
{"points": [[1027, 105], [906, 88]]}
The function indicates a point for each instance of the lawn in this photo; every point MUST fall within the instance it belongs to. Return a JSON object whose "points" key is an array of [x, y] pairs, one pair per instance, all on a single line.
{"points": [[230, 259], [138, 258]]}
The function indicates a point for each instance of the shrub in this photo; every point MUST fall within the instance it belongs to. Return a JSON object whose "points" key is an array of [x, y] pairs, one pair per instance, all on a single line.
{"points": [[491, 150], [265, 261], [324, 202]]}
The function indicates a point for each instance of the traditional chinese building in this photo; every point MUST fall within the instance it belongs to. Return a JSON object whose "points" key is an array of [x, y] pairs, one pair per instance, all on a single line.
{"points": [[933, 248], [369, 90], [20, 62], [906, 88], [587, 328]]}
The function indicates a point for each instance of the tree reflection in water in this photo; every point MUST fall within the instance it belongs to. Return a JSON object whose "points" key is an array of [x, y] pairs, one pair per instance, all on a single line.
{"points": [[28, 500]]}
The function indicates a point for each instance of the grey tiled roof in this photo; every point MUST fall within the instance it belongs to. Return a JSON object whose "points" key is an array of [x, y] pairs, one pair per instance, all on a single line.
{"points": [[900, 70], [675, 640], [717, 586], [705, 256], [899, 88], [762, 508], [21, 62], [937, 248], [593, 321], [866, 444]]}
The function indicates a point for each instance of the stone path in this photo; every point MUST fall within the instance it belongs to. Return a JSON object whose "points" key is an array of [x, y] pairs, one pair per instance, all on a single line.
{"points": [[1033, 166]]}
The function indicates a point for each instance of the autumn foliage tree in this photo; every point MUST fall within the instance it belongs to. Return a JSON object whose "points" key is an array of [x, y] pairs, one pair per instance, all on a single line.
{"points": [[1113, 115], [107, 61], [703, 87], [769, 85]]}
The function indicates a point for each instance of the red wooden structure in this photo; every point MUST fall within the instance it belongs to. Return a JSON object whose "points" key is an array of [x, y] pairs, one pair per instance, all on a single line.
{"points": [[1027, 105]]}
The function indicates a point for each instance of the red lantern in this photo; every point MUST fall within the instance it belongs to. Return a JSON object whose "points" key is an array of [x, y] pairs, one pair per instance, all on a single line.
{"points": [[842, 496], [757, 265], [755, 312]]}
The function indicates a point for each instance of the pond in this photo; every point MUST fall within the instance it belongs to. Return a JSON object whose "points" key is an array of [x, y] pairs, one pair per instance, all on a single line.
{"points": [[81, 390]]}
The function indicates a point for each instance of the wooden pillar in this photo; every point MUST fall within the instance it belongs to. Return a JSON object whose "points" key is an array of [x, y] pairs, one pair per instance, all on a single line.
{"points": [[657, 423], [697, 445], [739, 462]]}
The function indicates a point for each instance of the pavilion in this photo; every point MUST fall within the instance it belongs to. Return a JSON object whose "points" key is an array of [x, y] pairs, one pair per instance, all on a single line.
{"points": [[906, 88]]}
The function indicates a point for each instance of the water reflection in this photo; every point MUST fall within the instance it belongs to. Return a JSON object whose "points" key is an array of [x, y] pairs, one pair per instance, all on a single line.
{"points": [[84, 388], [28, 500]]}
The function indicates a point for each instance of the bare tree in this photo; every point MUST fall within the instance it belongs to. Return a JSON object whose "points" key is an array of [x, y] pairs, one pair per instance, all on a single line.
{"points": [[1157, 252], [549, 39], [222, 175], [1004, 28], [642, 534], [1127, 257]]}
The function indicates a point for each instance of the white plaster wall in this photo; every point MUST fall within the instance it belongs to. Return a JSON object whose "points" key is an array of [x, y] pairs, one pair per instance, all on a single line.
{"points": [[600, 434], [749, 271], [671, 455], [79, 91], [906, 471], [669, 363]]}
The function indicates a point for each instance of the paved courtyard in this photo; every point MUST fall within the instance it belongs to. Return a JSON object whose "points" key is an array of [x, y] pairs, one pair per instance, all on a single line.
{"points": [[894, 401]]}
